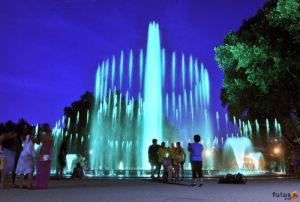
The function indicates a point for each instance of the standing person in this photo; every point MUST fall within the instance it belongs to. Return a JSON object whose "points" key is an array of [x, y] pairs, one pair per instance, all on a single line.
{"points": [[172, 151], [153, 157], [11, 148], [182, 164], [179, 159], [162, 153], [3, 160], [7, 156], [21, 130], [195, 150], [25, 164], [62, 161], [44, 160]]}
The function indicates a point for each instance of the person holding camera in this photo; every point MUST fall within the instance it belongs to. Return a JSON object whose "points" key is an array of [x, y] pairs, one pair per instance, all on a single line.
{"points": [[195, 150]]}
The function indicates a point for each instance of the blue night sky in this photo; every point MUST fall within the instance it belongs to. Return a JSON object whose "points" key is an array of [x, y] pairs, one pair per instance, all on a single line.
{"points": [[50, 49]]}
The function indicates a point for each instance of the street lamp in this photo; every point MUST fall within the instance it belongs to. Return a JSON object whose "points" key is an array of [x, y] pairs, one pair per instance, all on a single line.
{"points": [[208, 152], [276, 150]]}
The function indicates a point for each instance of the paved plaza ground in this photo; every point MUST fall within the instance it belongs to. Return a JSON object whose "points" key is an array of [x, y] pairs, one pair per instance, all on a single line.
{"points": [[123, 190]]}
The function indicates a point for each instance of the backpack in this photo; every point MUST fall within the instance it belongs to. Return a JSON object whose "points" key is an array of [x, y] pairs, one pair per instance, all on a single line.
{"points": [[233, 179]]}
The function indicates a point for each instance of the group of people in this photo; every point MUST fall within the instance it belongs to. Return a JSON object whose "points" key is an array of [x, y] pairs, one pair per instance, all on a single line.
{"points": [[17, 156], [173, 158]]}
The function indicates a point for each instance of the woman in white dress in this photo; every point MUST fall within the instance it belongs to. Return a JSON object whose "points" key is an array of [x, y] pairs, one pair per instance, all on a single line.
{"points": [[25, 163]]}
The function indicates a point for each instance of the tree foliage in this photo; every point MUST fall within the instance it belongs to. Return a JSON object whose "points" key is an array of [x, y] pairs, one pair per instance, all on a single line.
{"points": [[261, 66], [77, 124]]}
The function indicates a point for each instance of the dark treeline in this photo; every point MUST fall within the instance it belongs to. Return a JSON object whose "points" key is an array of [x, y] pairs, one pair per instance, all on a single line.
{"points": [[17, 127]]}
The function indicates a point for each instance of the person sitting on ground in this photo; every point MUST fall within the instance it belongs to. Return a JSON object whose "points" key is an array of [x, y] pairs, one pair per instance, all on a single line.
{"points": [[168, 167], [77, 171]]}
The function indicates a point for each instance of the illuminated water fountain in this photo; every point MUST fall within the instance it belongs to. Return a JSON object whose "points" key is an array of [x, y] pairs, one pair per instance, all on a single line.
{"points": [[144, 97], [239, 156], [239, 147], [155, 94]]}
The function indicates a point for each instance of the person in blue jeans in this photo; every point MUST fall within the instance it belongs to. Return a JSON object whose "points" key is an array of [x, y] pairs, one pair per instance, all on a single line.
{"points": [[195, 150]]}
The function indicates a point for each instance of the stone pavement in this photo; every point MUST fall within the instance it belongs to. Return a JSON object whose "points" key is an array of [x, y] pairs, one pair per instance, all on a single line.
{"points": [[127, 190]]}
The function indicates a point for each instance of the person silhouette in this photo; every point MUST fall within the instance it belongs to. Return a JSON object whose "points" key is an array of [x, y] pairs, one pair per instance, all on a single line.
{"points": [[195, 150], [153, 157]]}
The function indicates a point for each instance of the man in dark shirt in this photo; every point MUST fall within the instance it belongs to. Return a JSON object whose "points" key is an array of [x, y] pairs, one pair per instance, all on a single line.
{"points": [[153, 157]]}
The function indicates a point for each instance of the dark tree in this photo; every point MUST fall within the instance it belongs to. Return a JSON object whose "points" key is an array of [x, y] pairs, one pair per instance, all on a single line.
{"points": [[261, 67], [77, 121]]}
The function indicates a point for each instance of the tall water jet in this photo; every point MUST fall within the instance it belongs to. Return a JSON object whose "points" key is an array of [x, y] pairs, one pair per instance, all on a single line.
{"points": [[94, 144], [130, 68], [173, 69], [152, 119], [121, 69], [141, 68]]}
